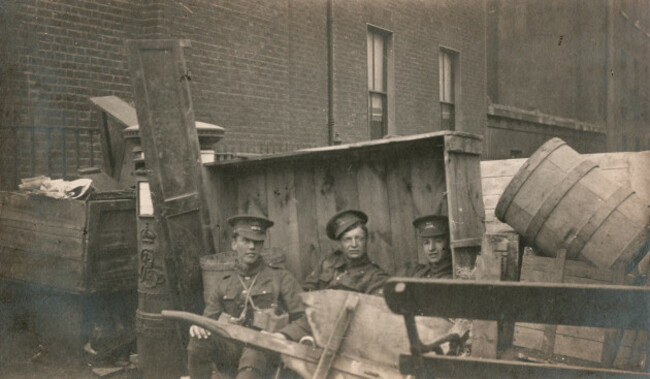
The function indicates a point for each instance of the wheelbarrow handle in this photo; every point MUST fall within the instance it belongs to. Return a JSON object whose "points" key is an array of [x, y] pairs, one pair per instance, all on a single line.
{"points": [[202, 321]]}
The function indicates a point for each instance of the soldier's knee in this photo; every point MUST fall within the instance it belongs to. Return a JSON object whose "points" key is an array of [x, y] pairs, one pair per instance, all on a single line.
{"points": [[249, 373]]}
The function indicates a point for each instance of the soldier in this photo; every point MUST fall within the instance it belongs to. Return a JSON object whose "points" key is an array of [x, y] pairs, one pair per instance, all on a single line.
{"points": [[433, 234], [348, 268], [252, 296]]}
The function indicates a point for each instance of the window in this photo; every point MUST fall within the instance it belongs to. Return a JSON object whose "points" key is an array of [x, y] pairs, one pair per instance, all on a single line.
{"points": [[447, 70], [378, 41]]}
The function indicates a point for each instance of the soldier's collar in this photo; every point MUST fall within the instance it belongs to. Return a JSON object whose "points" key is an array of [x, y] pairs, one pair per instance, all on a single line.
{"points": [[352, 263], [249, 270]]}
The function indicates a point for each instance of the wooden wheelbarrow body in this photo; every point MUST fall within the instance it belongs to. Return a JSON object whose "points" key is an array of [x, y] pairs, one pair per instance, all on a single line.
{"points": [[356, 336]]}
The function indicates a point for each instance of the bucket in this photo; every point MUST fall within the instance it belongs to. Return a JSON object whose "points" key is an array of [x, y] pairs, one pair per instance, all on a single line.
{"points": [[558, 199]]}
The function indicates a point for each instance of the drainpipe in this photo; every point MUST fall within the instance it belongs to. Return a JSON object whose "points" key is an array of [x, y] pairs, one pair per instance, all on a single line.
{"points": [[332, 136]]}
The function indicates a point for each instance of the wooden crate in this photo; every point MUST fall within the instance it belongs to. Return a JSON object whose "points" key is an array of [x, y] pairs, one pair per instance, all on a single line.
{"points": [[623, 349], [392, 180], [71, 245]]}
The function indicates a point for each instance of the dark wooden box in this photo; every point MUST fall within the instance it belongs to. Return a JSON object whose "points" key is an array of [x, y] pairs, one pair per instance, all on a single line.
{"points": [[77, 246]]}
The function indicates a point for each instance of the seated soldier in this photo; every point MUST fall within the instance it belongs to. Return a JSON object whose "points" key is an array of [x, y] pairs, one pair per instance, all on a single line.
{"points": [[433, 234], [252, 296], [350, 267]]}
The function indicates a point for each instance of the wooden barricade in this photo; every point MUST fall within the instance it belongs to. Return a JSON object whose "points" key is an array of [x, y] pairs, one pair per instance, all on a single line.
{"points": [[393, 180]]}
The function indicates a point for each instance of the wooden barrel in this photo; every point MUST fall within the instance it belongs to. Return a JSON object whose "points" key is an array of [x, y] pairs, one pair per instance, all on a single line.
{"points": [[214, 268], [558, 199]]}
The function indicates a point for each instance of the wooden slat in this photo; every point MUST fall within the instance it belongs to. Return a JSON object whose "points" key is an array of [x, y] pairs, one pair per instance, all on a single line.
{"points": [[34, 239], [601, 306], [428, 183], [338, 335], [299, 357], [453, 367], [43, 209], [252, 192], [224, 205], [400, 205], [61, 273], [373, 199], [307, 219], [282, 208], [336, 190], [325, 204]]}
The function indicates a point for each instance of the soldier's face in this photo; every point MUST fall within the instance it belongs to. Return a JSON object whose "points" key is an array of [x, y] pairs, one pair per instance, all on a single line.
{"points": [[248, 251], [435, 248], [354, 243]]}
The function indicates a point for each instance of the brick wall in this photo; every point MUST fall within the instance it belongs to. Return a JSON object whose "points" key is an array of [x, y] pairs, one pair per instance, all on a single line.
{"points": [[418, 31], [259, 69], [58, 54], [572, 58]]}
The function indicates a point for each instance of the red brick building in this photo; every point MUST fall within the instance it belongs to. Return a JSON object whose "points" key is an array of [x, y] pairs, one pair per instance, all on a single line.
{"points": [[277, 74]]}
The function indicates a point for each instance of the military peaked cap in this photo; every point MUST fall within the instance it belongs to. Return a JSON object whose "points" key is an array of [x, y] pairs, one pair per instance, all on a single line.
{"points": [[344, 221], [251, 227], [432, 225]]}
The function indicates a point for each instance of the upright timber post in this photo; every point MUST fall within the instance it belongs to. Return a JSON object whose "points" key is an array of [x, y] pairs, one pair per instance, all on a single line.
{"points": [[171, 153]]}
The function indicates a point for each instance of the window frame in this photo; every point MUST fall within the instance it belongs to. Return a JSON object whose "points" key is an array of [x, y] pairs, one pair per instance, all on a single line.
{"points": [[387, 78]]}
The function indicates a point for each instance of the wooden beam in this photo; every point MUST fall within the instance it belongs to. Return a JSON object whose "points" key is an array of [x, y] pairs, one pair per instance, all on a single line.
{"points": [[548, 303]]}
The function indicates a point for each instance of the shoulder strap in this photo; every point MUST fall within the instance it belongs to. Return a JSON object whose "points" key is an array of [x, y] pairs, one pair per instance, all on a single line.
{"points": [[276, 287]]}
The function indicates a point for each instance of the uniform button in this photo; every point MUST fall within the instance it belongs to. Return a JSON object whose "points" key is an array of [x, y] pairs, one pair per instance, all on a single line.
{"points": [[244, 291], [263, 291]]}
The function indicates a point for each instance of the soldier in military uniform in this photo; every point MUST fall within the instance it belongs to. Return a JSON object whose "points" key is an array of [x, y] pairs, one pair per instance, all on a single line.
{"points": [[255, 295], [348, 268], [433, 234]]}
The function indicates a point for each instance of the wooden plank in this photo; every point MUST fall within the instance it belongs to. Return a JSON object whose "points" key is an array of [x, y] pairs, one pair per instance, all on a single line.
{"points": [[336, 190], [298, 357], [372, 315], [578, 348], [43, 209], [325, 205], [466, 212], [428, 182], [37, 240], [454, 367], [224, 205], [528, 337], [62, 273], [599, 306], [338, 334], [282, 208], [462, 144], [307, 219], [171, 150], [373, 199], [400, 208], [252, 192], [501, 168]]}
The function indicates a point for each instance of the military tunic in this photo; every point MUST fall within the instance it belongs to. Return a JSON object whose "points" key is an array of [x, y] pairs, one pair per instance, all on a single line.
{"points": [[336, 271], [230, 298], [432, 272]]}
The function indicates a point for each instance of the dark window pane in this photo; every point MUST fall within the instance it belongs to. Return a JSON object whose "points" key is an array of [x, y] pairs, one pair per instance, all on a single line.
{"points": [[447, 116], [377, 115]]}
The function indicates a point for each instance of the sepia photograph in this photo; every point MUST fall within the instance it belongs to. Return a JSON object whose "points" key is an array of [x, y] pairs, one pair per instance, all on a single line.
{"points": [[324, 189]]}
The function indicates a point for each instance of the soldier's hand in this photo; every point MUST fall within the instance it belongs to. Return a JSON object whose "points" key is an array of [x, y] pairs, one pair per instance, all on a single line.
{"points": [[199, 332], [276, 335]]}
